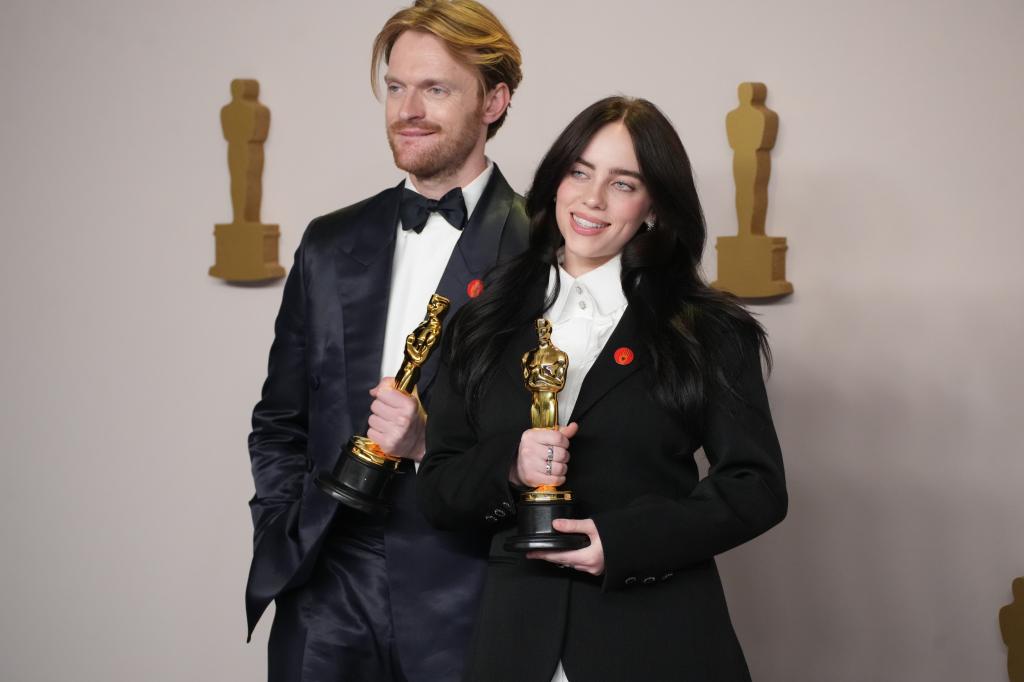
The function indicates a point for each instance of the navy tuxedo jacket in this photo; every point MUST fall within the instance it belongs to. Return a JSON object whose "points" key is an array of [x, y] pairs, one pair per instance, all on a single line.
{"points": [[658, 612], [325, 358]]}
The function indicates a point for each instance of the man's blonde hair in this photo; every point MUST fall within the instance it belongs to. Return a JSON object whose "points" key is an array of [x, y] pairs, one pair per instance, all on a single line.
{"points": [[472, 34]]}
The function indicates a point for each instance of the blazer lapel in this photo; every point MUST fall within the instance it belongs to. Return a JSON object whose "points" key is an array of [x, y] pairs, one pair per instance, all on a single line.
{"points": [[603, 376], [609, 370], [474, 254], [364, 285]]}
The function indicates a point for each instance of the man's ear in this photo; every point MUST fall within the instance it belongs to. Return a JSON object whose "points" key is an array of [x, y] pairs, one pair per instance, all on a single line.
{"points": [[496, 102]]}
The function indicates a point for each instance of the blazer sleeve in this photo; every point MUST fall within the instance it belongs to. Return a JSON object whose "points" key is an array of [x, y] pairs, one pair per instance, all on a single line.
{"points": [[743, 495], [463, 481], [277, 444]]}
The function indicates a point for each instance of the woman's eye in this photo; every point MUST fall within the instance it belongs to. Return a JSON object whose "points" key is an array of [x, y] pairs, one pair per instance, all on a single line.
{"points": [[576, 173], [624, 186]]}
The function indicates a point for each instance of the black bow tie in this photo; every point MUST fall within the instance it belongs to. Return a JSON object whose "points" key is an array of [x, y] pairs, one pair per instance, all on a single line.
{"points": [[416, 208]]}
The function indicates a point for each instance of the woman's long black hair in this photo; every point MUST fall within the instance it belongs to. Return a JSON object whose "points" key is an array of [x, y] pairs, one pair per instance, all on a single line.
{"points": [[694, 334]]}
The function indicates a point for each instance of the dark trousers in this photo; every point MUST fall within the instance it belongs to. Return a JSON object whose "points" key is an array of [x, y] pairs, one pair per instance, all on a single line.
{"points": [[337, 627]]}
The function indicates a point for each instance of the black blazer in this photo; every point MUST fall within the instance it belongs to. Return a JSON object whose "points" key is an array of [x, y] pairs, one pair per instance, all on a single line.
{"points": [[325, 358], [658, 612]]}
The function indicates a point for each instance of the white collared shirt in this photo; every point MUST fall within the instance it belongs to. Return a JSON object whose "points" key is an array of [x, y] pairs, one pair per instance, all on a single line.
{"points": [[582, 318], [419, 262]]}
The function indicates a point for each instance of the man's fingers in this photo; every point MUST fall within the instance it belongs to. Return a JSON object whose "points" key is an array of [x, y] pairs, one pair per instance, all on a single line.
{"points": [[397, 399]]}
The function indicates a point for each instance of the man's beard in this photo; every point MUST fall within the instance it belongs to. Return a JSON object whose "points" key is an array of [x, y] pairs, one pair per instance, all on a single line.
{"points": [[442, 159]]}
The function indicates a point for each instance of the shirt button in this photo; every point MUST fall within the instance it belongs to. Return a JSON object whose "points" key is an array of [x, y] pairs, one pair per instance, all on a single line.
{"points": [[579, 290], [583, 305]]}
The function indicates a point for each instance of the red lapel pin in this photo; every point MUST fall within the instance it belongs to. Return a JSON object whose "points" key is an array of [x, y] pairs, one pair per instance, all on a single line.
{"points": [[623, 356], [475, 288]]}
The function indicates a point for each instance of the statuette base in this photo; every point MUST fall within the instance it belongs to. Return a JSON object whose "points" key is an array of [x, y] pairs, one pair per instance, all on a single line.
{"points": [[535, 531], [361, 477]]}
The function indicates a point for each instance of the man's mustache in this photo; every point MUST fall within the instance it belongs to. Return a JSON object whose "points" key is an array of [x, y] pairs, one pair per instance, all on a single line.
{"points": [[397, 128]]}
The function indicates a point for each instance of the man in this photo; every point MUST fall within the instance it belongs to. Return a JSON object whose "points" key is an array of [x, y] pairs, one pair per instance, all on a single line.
{"points": [[358, 598]]}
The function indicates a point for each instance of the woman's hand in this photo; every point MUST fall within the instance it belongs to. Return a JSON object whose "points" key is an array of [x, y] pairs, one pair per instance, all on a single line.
{"points": [[590, 559], [543, 457]]}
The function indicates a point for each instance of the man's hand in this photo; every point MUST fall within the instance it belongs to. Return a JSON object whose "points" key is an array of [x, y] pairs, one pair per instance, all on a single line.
{"points": [[397, 421]]}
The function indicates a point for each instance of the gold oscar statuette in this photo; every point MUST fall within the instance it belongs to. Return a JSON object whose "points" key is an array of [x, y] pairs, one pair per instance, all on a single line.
{"points": [[544, 370], [364, 469]]}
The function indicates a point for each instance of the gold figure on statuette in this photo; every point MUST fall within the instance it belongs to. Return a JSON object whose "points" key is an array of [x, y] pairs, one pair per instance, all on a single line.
{"points": [[418, 346], [544, 370], [364, 468]]}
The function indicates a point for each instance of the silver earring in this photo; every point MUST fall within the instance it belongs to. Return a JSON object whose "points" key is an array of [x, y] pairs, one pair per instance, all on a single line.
{"points": [[651, 223]]}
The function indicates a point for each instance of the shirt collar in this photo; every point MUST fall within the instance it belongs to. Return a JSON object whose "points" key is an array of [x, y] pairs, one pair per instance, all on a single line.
{"points": [[603, 284], [472, 192]]}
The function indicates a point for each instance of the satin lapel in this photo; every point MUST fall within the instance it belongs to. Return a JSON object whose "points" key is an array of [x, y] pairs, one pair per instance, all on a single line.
{"points": [[474, 254], [364, 285], [606, 372]]}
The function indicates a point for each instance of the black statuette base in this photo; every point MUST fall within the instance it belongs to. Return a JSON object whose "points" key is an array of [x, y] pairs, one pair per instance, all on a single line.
{"points": [[535, 531], [357, 484]]}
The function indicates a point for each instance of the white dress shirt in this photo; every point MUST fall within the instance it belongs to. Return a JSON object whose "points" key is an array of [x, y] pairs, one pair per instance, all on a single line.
{"points": [[419, 261], [582, 319]]}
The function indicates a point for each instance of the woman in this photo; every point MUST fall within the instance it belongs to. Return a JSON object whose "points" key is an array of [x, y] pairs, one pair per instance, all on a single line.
{"points": [[659, 366]]}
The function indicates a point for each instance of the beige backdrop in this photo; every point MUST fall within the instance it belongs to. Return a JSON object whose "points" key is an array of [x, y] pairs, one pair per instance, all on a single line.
{"points": [[129, 374]]}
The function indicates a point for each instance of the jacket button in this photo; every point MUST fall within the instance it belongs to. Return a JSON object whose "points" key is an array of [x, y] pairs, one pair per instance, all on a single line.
{"points": [[649, 579], [490, 518], [631, 580], [314, 382], [500, 513], [667, 575]]}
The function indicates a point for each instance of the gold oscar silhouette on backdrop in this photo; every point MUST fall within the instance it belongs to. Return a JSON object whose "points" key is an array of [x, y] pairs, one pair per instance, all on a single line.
{"points": [[544, 371], [752, 264], [364, 468], [1011, 624], [246, 249]]}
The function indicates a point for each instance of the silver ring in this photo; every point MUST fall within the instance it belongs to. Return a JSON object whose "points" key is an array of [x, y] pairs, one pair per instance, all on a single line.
{"points": [[547, 468], [551, 453]]}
